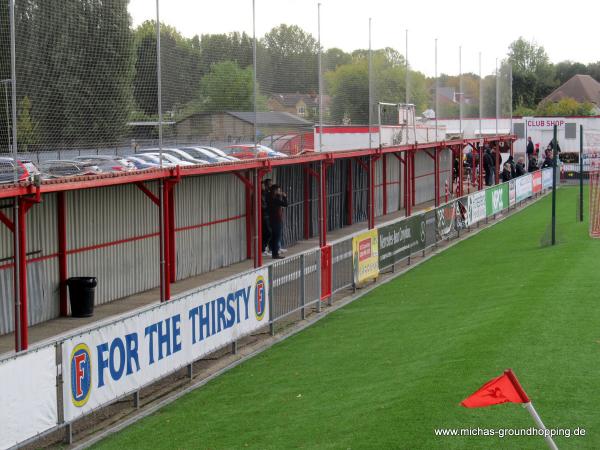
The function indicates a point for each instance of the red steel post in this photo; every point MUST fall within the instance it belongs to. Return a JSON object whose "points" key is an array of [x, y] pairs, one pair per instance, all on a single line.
{"points": [[21, 248], [167, 247], [61, 215], [371, 216], [436, 174], [171, 235], [306, 203], [384, 182], [480, 167], [258, 256], [322, 204], [413, 179], [350, 194]]}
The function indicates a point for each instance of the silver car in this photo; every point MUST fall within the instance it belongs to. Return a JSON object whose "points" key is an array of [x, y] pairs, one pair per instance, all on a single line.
{"points": [[108, 163], [210, 154]]}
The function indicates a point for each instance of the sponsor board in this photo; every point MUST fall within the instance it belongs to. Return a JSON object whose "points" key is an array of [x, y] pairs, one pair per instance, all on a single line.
{"points": [[28, 395], [398, 240], [445, 219], [475, 207], [546, 178], [536, 182], [512, 192], [523, 187], [106, 363], [365, 255], [496, 199]]}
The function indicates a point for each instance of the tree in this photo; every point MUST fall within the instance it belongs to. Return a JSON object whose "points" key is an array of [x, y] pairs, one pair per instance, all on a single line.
{"points": [[290, 60], [533, 75], [180, 68], [333, 58], [227, 88], [565, 70], [26, 130], [215, 48], [565, 107]]}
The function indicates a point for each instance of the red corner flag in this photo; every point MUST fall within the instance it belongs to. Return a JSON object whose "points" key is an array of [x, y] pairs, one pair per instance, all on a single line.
{"points": [[504, 389]]}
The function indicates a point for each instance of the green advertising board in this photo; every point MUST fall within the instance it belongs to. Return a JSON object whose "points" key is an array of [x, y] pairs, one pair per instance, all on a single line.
{"points": [[496, 199]]}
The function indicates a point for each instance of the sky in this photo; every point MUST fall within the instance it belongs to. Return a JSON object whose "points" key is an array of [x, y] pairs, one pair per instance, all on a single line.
{"points": [[566, 30]]}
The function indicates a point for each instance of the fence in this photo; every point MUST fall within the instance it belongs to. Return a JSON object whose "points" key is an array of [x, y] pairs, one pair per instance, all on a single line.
{"points": [[94, 367]]}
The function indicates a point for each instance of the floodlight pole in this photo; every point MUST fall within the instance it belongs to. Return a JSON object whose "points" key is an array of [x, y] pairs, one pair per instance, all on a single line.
{"points": [[161, 183], [320, 79], [407, 79], [436, 93], [460, 97], [480, 99], [497, 99], [554, 157], [581, 173], [370, 86], [254, 83], [16, 214]]}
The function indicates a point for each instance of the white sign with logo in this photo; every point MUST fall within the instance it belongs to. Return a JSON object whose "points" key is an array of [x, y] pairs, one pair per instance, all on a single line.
{"points": [[475, 207], [512, 192], [523, 187], [106, 363], [546, 178]]}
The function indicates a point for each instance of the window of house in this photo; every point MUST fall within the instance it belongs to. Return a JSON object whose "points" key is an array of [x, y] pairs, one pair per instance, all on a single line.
{"points": [[301, 111]]}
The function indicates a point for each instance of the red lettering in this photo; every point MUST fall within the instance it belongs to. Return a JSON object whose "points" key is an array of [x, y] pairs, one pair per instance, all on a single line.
{"points": [[79, 372]]}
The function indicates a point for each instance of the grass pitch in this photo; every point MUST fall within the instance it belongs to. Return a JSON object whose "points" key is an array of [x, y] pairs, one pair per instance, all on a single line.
{"points": [[387, 370]]}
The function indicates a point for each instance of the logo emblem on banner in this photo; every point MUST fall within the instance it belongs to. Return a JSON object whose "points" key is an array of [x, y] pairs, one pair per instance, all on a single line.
{"points": [[260, 298], [81, 375]]}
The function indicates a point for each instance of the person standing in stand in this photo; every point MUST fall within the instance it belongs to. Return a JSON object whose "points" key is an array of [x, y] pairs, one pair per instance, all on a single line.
{"points": [[277, 201], [266, 224]]}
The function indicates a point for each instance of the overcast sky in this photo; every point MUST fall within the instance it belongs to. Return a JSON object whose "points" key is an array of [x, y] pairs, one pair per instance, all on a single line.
{"points": [[567, 30]]}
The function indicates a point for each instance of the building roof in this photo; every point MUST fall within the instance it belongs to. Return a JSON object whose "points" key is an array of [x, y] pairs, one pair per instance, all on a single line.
{"points": [[582, 88], [271, 118], [291, 100]]}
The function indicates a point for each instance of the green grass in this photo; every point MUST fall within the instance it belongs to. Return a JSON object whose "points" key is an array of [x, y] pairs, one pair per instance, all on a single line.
{"points": [[386, 370]]}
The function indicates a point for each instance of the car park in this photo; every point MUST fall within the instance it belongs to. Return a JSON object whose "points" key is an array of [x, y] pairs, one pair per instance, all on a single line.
{"points": [[108, 163], [7, 171], [141, 164], [206, 155], [173, 160], [66, 168], [179, 154]]}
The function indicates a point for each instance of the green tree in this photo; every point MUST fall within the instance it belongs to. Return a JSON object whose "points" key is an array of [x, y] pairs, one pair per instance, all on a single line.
{"points": [[227, 88], [566, 69], [215, 48], [26, 130], [289, 63], [333, 58], [180, 69], [565, 107], [533, 74]]}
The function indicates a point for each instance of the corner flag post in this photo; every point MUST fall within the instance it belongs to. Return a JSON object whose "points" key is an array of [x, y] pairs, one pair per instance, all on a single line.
{"points": [[554, 157], [530, 409], [581, 173]]}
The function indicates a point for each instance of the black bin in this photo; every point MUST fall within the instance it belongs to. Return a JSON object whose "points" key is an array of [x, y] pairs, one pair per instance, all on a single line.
{"points": [[81, 294]]}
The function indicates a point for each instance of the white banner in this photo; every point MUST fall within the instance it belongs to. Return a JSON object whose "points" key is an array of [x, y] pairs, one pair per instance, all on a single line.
{"points": [[512, 192], [28, 396], [546, 178], [104, 364], [475, 207], [524, 187]]}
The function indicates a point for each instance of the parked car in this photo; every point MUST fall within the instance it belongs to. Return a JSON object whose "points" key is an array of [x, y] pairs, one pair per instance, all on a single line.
{"points": [[219, 152], [7, 170], [67, 168], [152, 158], [172, 159], [206, 155], [108, 163], [251, 151], [141, 164], [179, 154]]}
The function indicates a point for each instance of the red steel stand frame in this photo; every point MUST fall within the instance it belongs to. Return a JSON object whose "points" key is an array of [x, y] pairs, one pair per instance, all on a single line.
{"points": [[306, 203], [350, 194], [384, 184], [61, 214], [480, 167]]}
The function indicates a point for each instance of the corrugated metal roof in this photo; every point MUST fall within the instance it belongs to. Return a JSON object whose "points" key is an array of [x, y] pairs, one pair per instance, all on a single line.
{"points": [[271, 118]]}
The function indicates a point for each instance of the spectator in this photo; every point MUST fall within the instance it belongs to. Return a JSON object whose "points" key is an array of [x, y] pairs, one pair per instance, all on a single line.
{"points": [[520, 167], [488, 167], [264, 203], [532, 167], [277, 201], [529, 150], [511, 161], [506, 172], [548, 162]]}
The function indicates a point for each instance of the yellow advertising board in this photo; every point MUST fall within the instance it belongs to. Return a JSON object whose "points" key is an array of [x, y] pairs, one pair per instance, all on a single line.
{"points": [[365, 256]]}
